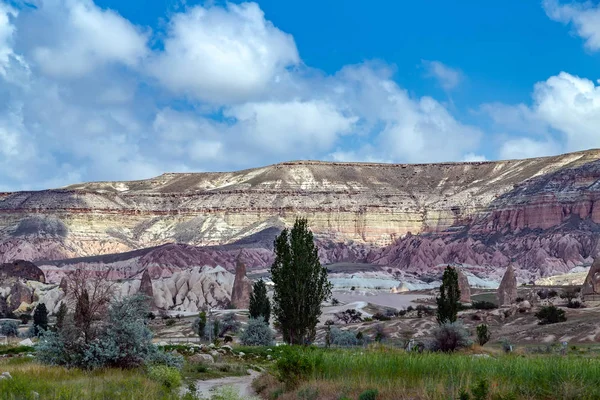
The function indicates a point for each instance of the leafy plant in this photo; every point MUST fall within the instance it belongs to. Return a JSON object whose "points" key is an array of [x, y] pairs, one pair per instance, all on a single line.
{"points": [[295, 365], [483, 334], [301, 284], [484, 305], [450, 336], [260, 305], [370, 394], [448, 302], [9, 328], [40, 319], [550, 315], [257, 333], [169, 377]]}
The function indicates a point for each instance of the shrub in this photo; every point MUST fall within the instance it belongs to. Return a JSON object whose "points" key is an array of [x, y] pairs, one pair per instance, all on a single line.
{"points": [[124, 341], [257, 333], [483, 334], [380, 334], [484, 305], [229, 323], [519, 299], [24, 318], [169, 377], [575, 304], [296, 365], [542, 294], [335, 302], [481, 390], [9, 328], [199, 325], [552, 293], [450, 336], [342, 338], [370, 394], [506, 345], [349, 316], [170, 322], [550, 315], [381, 317]]}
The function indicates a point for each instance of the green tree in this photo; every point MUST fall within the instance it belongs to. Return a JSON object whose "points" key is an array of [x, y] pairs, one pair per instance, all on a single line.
{"points": [[200, 324], [260, 305], [301, 284], [61, 315], [448, 302], [40, 319], [483, 334]]}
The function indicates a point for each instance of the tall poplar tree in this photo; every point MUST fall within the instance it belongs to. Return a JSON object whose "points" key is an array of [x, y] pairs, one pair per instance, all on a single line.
{"points": [[260, 305], [448, 302], [301, 284], [40, 319]]}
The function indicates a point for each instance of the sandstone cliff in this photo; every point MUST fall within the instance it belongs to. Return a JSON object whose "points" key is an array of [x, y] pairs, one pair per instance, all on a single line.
{"points": [[542, 214]]}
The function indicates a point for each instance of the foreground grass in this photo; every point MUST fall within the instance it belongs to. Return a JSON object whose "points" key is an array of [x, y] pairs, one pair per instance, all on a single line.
{"points": [[398, 375], [34, 381]]}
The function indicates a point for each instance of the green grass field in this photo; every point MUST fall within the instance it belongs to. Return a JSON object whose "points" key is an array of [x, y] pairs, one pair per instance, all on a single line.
{"points": [[399, 375]]}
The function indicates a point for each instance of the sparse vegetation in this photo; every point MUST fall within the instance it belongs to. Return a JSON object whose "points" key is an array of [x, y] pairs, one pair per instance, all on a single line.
{"points": [[550, 315]]}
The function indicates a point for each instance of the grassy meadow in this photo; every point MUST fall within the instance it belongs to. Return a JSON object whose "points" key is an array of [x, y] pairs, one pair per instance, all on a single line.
{"points": [[34, 381], [394, 374]]}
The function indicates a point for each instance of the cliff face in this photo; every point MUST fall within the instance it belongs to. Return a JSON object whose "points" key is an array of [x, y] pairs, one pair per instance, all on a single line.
{"points": [[542, 214]]}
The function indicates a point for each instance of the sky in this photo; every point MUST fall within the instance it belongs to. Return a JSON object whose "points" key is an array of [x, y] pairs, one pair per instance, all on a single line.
{"points": [[124, 90]]}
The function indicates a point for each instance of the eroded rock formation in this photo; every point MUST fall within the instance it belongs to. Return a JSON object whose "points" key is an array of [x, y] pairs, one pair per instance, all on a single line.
{"points": [[242, 287], [463, 285], [507, 291], [591, 285]]}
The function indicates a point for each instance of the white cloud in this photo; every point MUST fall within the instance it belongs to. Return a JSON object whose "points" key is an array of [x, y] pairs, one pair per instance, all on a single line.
{"points": [[84, 38], [448, 77], [238, 97], [563, 117], [223, 55], [527, 148], [585, 18], [472, 157]]}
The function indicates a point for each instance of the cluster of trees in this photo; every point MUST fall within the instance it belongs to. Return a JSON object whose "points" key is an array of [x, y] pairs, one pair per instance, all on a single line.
{"points": [[97, 331], [300, 286]]}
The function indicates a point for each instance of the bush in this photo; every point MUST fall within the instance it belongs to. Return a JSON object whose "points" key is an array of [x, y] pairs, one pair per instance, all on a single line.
{"points": [[170, 322], [380, 334], [124, 341], [450, 336], [229, 323], [519, 299], [257, 333], [296, 365], [370, 394], [484, 305], [550, 315], [342, 338], [575, 304], [552, 293], [169, 377], [506, 345], [349, 316], [483, 334], [9, 328], [381, 317], [542, 294]]}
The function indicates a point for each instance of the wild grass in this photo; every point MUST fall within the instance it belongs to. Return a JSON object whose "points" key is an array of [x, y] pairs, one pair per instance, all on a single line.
{"points": [[34, 381], [396, 374]]}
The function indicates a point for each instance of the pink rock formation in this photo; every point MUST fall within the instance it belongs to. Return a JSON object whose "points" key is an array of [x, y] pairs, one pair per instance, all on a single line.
{"points": [[507, 291], [242, 287], [591, 285], [463, 285], [146, 285]]}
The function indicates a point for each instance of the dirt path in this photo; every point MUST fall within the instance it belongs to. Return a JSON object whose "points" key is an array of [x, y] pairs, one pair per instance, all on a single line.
{"points": [[243, 384]]}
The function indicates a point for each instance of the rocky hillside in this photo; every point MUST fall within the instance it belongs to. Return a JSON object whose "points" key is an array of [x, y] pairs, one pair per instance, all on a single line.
{"points": [[541, 214]]}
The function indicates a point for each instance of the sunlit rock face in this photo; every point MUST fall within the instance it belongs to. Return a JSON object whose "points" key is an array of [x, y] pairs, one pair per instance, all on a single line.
{"points": [[540, 214]]}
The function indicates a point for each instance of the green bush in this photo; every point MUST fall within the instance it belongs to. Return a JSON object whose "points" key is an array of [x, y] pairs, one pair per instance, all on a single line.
{"points": [[370, 394], [170, 322], [483, 334], [450, 336], [550, 315], [257, 333], [484, 305], [167, 376], [296, 365], [9, 328]]}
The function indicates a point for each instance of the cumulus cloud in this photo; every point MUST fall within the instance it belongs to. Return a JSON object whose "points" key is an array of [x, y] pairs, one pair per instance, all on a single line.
{"points": [[565, 112], [584, 17], [448, 77], [223, 55], [84, 97]]}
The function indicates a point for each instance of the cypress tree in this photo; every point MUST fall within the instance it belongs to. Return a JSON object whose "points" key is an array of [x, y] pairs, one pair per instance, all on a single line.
{"points": [[61, 315], [448, 302], [40, 318], [301, 284], [260, 306]]}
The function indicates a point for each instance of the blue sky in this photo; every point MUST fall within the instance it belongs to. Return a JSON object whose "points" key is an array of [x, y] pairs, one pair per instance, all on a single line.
{"points": [[113, 90]]}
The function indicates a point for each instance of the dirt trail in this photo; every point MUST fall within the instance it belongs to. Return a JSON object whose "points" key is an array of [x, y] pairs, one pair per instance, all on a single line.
{"points": [[241, 383]]}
